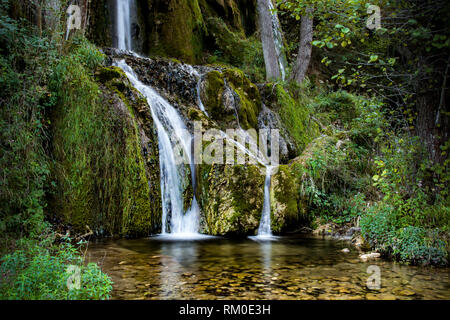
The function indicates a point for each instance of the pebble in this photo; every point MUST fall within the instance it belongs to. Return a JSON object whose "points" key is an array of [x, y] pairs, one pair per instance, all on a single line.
{"points": [[407, 293]]}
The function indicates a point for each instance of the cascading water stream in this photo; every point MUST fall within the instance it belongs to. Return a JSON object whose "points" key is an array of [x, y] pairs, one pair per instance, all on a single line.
{"points": [[123, 24], [265, 229], [278, 39], [166, 120], [199, 97]]}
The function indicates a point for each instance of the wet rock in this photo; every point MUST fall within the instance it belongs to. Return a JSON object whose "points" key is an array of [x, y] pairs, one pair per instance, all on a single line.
{"points": [[268, 119], [369, 256]]}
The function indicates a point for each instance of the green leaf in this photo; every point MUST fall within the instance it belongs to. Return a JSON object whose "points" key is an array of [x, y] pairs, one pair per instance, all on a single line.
{"points": [[373, 58]]}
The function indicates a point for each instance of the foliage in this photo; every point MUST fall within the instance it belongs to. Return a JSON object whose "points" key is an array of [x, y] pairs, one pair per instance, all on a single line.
{"points": [[411, 222], [38, 271], [337, 168], [25, 64], [409, 244], [295, 113], [381, 172], [232, 48], [32, 267]]}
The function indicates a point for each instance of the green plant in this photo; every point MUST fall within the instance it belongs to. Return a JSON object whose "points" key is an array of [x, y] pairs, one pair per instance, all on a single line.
{"points": [[37, 271], [415, 245], [378, 225]]}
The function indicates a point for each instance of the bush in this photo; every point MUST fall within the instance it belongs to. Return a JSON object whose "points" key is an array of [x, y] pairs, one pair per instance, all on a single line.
{"points": [[415, 245], [25, 66], [412, 244], [378, 226], [37, 272]]}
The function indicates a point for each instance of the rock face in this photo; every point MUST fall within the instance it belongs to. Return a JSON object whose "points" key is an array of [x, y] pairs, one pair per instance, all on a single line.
{"points": [[231, 99], [112, 186], [288, 208], [173, 28], [230, 196]]}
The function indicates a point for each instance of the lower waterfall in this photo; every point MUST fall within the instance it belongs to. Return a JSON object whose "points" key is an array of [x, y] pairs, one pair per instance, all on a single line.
{"points": [[265, 229], [171, 132]]}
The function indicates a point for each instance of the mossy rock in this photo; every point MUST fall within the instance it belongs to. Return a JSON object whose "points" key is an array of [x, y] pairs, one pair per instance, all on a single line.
{"points": [[229, 92], [105, 74], [288, 209], [231, 198], [250, 99], [176, 29], [106, 157]]}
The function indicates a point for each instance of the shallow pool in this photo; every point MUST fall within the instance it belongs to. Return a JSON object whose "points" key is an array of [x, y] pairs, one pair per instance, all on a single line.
{"points": [[284, 268]]}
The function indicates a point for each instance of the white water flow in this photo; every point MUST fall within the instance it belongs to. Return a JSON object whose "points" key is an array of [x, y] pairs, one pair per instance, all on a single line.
{"points": [[123, 24], [199, 97], [174, 141], [265, 229], [189, 69], [278, 39]]}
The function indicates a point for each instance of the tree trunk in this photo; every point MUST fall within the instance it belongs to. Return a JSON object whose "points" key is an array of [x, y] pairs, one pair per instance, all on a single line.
{"points": [[39, 17], [305, 48], [268, 41]]}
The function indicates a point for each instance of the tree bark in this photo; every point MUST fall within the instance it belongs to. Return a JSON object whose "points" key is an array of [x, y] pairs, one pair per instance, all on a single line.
{"points": [[305, 48], [268, 42]]}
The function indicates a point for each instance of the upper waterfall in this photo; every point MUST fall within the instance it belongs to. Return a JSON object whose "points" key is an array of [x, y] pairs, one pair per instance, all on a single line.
{"points": [[278, 40], [123, 24]]}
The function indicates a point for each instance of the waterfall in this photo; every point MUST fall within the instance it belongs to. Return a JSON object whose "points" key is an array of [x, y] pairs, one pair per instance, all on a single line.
{"points": [[123, 24], [189, 69], [278, 39], [199, 97], [172, 133], [265, 229]]}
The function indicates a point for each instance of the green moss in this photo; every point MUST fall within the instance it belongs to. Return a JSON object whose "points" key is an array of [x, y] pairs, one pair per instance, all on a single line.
{"points": [[249, 97], [105, 74], [295, 115], [246, 190], [231, 198], [137, 208], [287, 209], [235, 49], [215, 86], [99, 169], [177, 30]]}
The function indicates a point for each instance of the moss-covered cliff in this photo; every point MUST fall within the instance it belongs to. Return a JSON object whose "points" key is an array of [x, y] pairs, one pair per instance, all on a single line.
{"points": [[183, 29], [106, 168]]}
